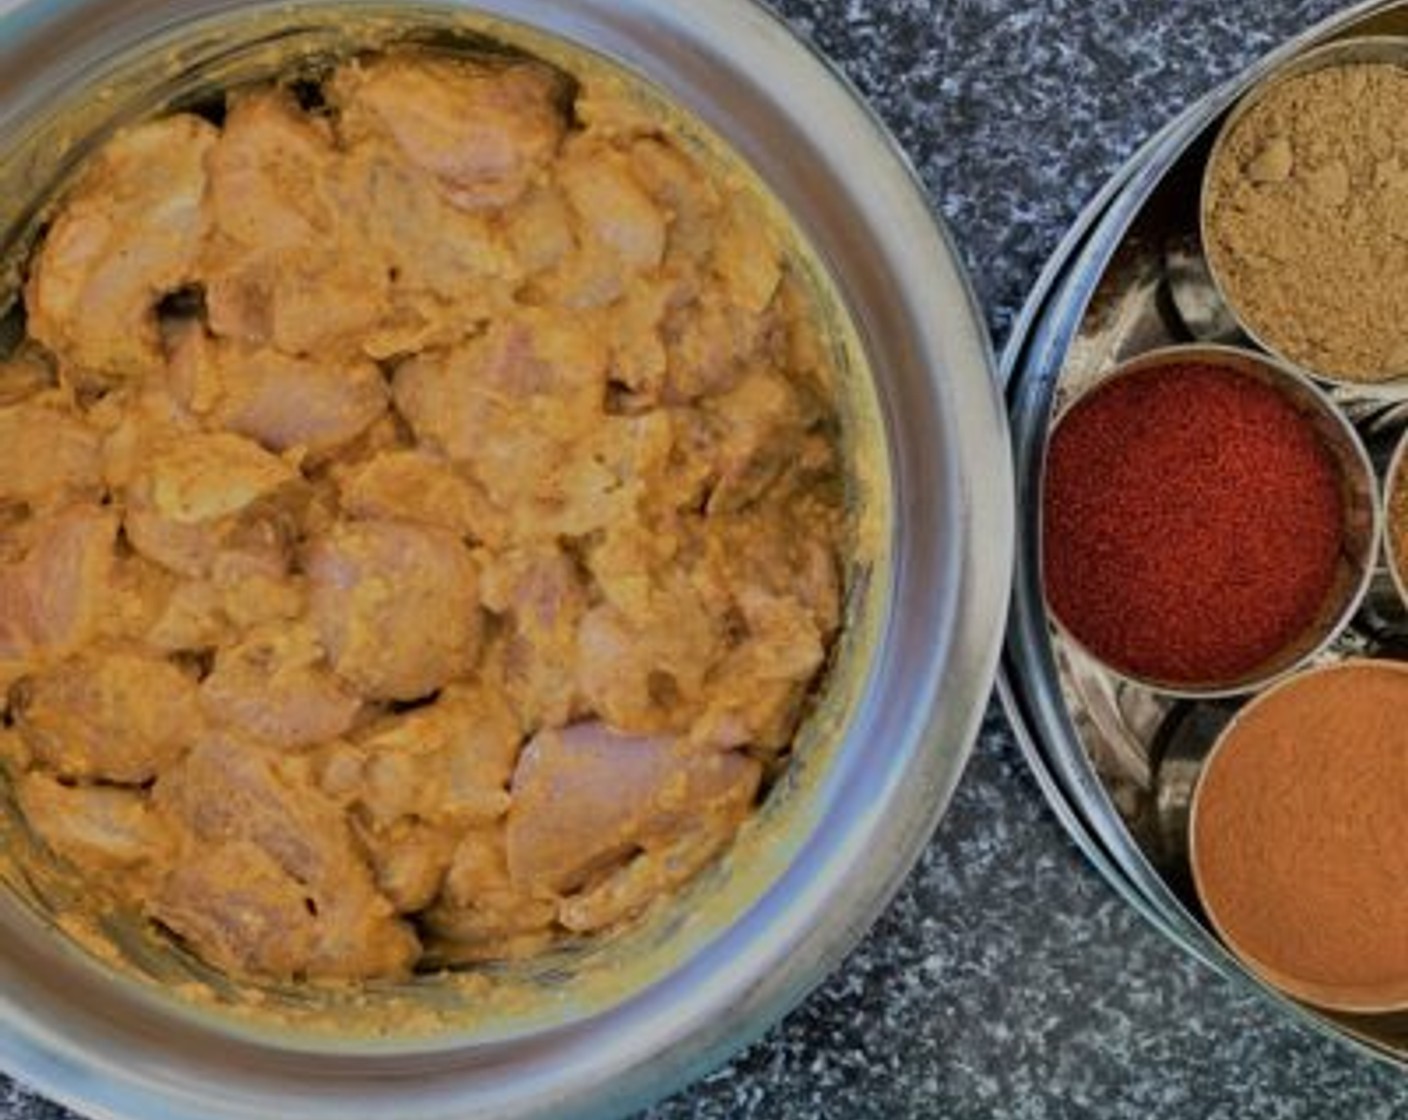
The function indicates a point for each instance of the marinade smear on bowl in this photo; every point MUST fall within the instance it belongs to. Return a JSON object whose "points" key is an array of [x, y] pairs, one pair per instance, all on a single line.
{"points": [[421, 518]]}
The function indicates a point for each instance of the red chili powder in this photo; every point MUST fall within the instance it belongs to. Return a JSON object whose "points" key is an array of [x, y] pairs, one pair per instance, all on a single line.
{"points": [[1192, 523]]}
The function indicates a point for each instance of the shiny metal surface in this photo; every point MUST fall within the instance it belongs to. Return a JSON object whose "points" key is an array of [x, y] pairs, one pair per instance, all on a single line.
{"points": [[1395, 479], [1124, 792], [852, 828]]}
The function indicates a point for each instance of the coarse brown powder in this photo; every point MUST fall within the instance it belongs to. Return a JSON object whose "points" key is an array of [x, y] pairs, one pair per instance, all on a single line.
{"points": [[1300, 842], [1307, 220]]}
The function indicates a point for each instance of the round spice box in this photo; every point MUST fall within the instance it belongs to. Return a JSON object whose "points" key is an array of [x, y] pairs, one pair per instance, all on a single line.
{"points": [[1209, 520], [1121, 743]]}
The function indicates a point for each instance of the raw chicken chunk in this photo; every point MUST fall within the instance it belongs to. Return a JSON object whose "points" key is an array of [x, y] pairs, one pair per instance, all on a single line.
{"points": [[122, 716], [269, 174], [236, 907], [652, 874], [513, 375], [201, 495], [276, 688], [227, 789], [51, 600], [645, 673], [281, 402], [531, 391], [541, 597], [99, 827], [444, 271], [613, 207], [309, 304], [207, 477], [586, 798], [128, 234], [278, 269], [482, 914], [396, 606], [409, 860], [48, 457], [447, 763], [483, 131], [414, 486], [234, 798]]}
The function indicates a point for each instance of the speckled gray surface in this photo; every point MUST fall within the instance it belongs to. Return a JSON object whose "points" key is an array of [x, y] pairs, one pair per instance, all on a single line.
{"points": [[1006, 980]]}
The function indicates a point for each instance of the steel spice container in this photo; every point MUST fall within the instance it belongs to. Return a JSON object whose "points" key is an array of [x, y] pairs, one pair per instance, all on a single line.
{"points": [[1119, 764], [929, 626]]}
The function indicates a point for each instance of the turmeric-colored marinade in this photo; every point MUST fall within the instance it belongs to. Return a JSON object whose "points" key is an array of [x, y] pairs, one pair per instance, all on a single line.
{"points": [[420, 518]]}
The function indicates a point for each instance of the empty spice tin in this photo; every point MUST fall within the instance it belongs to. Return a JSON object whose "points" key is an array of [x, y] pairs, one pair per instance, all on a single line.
{"points": [[1120, 754]]}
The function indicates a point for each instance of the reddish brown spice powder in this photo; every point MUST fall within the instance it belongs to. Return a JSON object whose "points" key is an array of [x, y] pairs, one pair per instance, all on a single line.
{"points": [[1192, 523], [1299, 840]]}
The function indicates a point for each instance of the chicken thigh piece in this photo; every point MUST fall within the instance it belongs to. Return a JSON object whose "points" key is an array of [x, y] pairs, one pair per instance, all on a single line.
{"points": [[396, 606], [51, 599], [276, 688], [281, 402], [129, 233], [420, 487], [586, 799], [446, 763], [540, 598], [194, 497], [269, 877], [119, 716], [48, 457], [282, 269], [484, 131], [99, 829]]}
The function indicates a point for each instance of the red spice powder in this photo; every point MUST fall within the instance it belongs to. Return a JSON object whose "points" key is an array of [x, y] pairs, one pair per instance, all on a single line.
{"points": [[1192, 523]]}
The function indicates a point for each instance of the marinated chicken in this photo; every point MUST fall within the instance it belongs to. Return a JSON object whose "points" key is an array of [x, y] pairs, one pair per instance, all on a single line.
{"points": [[422, 520]]}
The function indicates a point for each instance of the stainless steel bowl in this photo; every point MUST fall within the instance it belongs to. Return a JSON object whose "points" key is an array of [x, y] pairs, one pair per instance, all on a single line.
{"points": [[598, 1034]]}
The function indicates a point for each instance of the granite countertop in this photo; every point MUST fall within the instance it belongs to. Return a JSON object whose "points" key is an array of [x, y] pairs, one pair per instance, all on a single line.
{"points": [[1007, 979]]}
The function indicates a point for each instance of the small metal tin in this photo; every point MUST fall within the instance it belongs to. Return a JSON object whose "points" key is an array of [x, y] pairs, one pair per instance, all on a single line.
{"points": [[1120, 761], [1362, 518], [1384, 997], [1367, 49]]}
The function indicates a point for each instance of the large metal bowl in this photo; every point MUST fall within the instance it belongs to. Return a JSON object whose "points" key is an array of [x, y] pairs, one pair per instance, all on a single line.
{"points": [[600, 1033]]}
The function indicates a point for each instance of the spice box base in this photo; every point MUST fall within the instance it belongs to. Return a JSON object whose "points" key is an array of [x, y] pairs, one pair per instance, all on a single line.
{"points": [[1121, 759]]}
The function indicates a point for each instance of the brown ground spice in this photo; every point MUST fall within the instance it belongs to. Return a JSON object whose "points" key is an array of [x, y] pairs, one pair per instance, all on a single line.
{"points": [[1300, 843], [1307, 220]]}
